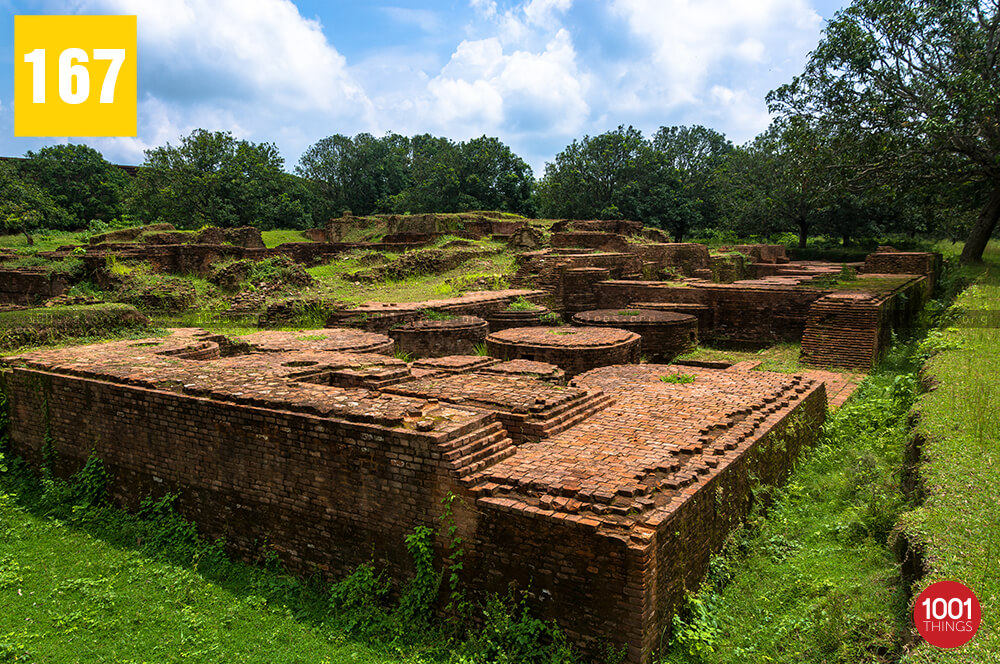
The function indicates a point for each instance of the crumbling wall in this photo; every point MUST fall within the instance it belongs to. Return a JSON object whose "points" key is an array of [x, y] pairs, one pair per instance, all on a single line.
{"points": [[251, 475], [30, 285]]}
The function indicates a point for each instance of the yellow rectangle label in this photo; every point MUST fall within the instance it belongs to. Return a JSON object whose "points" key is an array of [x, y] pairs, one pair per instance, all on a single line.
{"points": [[75, 76]]}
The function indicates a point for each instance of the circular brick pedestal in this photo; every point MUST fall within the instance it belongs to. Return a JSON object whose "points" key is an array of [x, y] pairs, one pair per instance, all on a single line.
{"points": [[573, 349], [510, 318], [665, 334], [438, 338]]}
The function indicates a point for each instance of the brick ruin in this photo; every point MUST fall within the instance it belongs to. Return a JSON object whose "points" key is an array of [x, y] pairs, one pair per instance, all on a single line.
{"points": [[601, 499], [600, 486]]}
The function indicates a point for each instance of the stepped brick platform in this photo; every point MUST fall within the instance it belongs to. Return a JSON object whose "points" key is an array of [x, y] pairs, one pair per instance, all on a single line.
{"points": [[453, 364], [438, 338], [381, 316], [607, 511], [572, 349], [336, 339], [541, 370], [665, 335], [510, 318], [529, 410]]}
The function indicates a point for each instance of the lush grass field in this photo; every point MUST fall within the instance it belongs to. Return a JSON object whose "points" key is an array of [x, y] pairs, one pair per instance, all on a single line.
{"points": [[958, 525]]}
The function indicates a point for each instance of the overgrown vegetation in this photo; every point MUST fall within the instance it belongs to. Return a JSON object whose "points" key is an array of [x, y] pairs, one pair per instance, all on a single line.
{"points": [[956, 530], [47, 325], [81, 576], [814, 579]]}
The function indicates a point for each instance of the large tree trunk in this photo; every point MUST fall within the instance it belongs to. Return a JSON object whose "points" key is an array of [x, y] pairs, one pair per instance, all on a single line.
{"points": [[803, 232], [981, 231]]}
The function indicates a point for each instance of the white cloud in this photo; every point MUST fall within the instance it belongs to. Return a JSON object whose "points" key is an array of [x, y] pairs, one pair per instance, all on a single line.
{"points": [[689, 43], [483, 89], [543, 12], [248, 66], [424, 19], [486, 8]]}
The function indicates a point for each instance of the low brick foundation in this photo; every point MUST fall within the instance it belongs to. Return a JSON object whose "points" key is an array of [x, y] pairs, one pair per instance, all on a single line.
{"points": [[605, 515], [509, 318], [665, 335], [438, 338], [573, 349]]}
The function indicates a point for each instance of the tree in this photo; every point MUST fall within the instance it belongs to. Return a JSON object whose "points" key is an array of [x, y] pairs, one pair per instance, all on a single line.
{"points": [[615, 175], [697, 153], [79, 180], [24, 206], [588, 177], [926, 74], [358, 173], [213, 178], [495, 177]]}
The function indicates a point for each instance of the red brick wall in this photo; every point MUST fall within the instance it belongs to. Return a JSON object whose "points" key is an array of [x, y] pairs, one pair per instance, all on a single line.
{"points": [[322, 492], [739, 313], [29, 286]]}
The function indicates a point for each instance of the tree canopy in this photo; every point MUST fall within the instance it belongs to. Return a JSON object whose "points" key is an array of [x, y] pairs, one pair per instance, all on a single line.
{"points": [[24, 206], [424, 173], [214, 178], [614, 175], [79, 180], [921, 76]]}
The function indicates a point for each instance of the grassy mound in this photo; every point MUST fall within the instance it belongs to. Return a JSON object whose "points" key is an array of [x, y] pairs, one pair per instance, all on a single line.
{"points": [[32, 327]]}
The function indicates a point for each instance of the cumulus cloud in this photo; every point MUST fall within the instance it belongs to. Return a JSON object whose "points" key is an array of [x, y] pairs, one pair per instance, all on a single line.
{"points": [[483, 88], [688, 43], [248, 66]]}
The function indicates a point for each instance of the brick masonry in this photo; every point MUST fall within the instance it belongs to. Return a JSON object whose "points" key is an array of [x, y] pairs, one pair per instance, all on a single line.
{"points": [[665, 335], [620, 489], [437, 338], [573, 349], [30, 285]]}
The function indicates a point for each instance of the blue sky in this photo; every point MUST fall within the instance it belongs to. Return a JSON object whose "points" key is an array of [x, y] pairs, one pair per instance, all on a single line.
{"points": [[535, 73]]}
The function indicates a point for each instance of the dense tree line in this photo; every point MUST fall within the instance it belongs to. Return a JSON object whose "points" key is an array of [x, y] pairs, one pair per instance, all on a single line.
{"points": [[891, 128]]}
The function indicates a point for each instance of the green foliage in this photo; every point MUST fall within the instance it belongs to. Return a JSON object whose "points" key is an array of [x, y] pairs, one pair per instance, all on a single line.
{"points": [[51, 324], [357, 602], [213, 178], [912, 78], [79, 180], [617, 175], [519, 303], [416, 603], [25, 207], [354, 173], [678, 378], [424, 173], [695, 629], [510, 635], [434, 314], [481, 350], [551, 319]]}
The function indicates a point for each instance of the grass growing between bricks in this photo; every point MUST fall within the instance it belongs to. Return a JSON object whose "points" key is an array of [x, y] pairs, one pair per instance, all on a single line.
{"points": [[957, 527]]}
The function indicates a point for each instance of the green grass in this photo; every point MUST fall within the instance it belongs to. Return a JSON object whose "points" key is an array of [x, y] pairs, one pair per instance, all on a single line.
{"points": [[45, 240], [783, 357], [958, 525], [82, 581], [335, 280], [274, 238], [71, 597], [812, 580]]}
